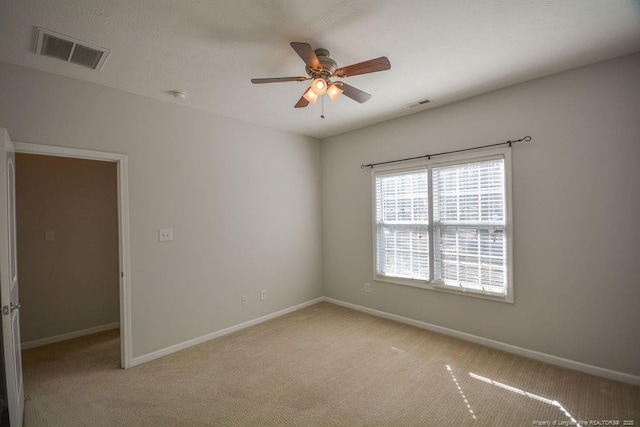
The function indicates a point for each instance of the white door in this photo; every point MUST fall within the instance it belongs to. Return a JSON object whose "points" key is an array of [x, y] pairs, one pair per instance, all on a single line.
{"points": [[9, 282]]}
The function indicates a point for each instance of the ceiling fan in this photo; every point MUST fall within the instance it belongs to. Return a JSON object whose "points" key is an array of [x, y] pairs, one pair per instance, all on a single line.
{"points": [[321, 68]]}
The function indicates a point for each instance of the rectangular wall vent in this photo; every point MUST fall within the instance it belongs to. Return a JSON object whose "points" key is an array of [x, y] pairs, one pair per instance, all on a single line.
{"points": [[418, 103], [69, 49]]}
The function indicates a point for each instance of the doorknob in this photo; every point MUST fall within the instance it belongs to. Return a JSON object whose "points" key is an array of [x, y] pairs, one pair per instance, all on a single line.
{"points": [[15, 306]]}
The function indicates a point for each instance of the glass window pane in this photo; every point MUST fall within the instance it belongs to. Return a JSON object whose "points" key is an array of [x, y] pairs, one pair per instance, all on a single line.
{"points": [[469, 214], [402, 213]]}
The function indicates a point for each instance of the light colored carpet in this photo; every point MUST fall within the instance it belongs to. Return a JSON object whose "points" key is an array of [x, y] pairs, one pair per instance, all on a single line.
{"points": [[323, 365]]}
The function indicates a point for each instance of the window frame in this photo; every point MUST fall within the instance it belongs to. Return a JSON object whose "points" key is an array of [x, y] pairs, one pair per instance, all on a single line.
{"points": [[428, 165]]}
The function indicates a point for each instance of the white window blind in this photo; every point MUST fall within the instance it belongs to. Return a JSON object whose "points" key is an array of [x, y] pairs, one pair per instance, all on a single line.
{"points": [[453, 239], [469, 225], [402, 224]]}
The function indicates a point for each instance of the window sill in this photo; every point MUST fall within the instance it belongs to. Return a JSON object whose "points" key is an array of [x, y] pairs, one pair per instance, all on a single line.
{"points": [[439, 287]]}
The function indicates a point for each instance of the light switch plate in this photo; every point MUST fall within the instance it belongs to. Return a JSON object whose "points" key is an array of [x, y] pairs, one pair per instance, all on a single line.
{"points": [[165, 234], [49, 236]]}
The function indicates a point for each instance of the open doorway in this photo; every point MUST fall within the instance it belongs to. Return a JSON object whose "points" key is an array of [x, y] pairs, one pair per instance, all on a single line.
{"points": [[67, 228], [85, 235]]}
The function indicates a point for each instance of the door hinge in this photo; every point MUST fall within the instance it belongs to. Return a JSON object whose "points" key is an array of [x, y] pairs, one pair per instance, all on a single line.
{"points": [[5, 310]]}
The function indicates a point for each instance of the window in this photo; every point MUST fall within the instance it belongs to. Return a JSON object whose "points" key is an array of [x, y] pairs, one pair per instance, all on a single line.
{"points": [[445, 225]]}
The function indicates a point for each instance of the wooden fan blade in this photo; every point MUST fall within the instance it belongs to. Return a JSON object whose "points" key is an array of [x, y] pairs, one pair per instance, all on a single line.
{"points": [[370, 66], [307, 54], [354, 93], [302, 102], [279, 79]]}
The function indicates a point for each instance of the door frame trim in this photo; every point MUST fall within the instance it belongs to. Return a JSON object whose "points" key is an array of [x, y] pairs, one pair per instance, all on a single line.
{"points": [[123, 228]]}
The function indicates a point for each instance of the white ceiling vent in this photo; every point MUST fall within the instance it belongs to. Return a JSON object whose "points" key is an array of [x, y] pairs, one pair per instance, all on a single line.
{"points": [[418, 103], [55, 45]]}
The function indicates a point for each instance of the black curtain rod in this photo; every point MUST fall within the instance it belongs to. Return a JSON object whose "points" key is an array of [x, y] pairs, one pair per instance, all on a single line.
{"points": [[429, 156]]}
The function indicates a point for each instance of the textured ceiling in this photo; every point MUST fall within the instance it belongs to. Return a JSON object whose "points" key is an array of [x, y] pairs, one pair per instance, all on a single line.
{"points": [[443, 50]]}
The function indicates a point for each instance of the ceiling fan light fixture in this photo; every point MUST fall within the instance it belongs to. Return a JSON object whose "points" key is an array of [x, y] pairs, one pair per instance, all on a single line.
{"points": [[321, 68], [334, 91], [319, 86], [310, 95]]}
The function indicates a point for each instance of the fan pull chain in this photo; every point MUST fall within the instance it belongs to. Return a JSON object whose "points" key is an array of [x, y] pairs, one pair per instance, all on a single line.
{"points": [[322, 104]]}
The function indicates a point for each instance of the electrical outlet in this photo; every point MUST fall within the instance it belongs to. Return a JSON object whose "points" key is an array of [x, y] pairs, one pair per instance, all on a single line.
{"points": [[165, 234], [263, 295], [243, 299], [367, 287]]}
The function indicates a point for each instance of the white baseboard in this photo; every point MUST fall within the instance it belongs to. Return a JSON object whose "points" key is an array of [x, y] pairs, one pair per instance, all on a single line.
{"points": [[520, 351], [69, 335], [199, 340]]}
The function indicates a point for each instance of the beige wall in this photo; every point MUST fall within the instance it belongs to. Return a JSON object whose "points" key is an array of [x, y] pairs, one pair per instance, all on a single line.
{"points": [[243, 201], [576, 205], [70, 283]]}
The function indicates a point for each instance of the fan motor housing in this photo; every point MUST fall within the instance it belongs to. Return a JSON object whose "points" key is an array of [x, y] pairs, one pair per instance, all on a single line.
{"points": [[327, 65]]}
